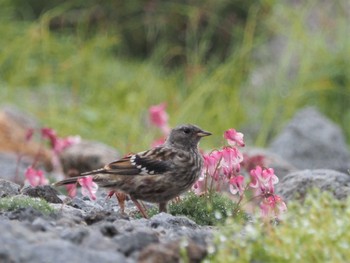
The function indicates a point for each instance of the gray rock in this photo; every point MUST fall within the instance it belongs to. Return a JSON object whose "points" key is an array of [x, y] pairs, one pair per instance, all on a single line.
{"points": [[170, 252], [68, 216], [175, 233], [76, 236], [102, 204], [135, 241], [11, 170], [24, 214], [124, 225], [21, 118], [172, 228], [96, 240], [86, 156], [109, 229], [91, 233], [168, 221], [20, 245], [85, 205], [45, 192], [296, 185], [41, 224], [8, 188], [58, 251], [311, 141], [96, 216]]}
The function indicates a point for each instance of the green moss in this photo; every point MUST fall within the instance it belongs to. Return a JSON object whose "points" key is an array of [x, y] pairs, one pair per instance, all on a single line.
{"points": [[211, 209], [315, 231], [17, 202]]}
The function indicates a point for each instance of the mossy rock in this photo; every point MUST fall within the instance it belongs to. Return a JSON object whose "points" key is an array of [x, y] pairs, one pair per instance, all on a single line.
{"points": [[19, 201]]}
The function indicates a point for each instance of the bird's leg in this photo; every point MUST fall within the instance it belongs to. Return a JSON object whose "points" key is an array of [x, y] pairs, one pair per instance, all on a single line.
{"points": [[110, 194], [162, 207], [121, 197], [143, 205], [139, 206]]}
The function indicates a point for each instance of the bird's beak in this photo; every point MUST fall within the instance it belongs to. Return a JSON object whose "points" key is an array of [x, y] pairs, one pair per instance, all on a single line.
{"points": [[203, 133]]}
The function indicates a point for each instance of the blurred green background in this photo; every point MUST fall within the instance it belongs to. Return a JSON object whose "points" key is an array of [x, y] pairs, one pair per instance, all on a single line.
{"points": [[94, 67]]}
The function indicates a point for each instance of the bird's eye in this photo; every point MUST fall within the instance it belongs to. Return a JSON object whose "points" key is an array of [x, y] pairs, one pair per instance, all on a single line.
{"points": [[186, 130]]}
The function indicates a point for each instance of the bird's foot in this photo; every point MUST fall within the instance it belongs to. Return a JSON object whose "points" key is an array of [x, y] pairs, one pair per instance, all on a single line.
{"points": [[140, 207]]}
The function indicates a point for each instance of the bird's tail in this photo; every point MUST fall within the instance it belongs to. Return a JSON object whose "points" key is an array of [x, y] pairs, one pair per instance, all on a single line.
{"points": [[98, 171], [73, 180]]}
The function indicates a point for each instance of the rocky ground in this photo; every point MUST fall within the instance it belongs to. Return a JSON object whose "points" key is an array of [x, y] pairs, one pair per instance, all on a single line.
{"points": [[309, 152], [85, 231]]}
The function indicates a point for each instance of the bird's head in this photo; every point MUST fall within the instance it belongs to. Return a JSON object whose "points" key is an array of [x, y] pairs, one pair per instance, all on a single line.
{"points": [[186, 136]]}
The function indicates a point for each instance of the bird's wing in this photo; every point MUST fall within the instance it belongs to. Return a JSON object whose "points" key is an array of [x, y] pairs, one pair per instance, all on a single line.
{"points": [[154, 161]]}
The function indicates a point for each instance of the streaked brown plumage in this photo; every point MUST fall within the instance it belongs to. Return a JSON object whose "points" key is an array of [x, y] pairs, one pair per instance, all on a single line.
{"points": [[156, 175]]}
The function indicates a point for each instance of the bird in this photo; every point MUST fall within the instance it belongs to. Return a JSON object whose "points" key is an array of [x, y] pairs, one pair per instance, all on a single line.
{"points": [[156, 175]]}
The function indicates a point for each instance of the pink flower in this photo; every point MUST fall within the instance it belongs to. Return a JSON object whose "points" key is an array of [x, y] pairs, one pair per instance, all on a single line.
{"points": [[88, 187], [234, 138], [159, 117], [71, 189], [58, 144], [231, 161], [35, 177], [236, 185], [263, 179], [198, 186], [272, 204], [212, 163], [62, 143], [49, 134]]}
